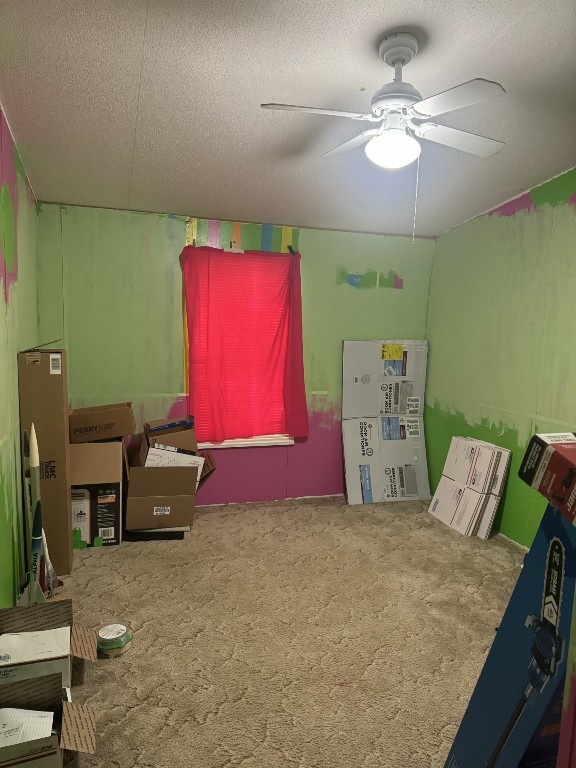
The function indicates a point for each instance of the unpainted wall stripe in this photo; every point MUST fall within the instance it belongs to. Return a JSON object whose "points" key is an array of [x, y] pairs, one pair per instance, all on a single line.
{"points": [[250, 237]]}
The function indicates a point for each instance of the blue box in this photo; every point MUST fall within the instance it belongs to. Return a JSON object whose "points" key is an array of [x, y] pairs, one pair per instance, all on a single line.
{"points": [[527, 661]]}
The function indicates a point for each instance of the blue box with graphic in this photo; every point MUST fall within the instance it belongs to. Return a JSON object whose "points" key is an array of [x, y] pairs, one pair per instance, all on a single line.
{"points": [[527, 661]]}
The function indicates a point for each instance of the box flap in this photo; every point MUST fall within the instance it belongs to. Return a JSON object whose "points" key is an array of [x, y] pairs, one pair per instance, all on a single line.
{"points": [[142, 453], [162, 481], [168, 426], [183, 439], [36, 693], [101, 422], [83, 643], [37, 617], [78, 728], [96, 408], [209, 465], [93, 463]]}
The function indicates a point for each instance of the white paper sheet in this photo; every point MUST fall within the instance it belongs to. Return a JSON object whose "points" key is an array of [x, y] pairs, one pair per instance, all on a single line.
{"points": [[21, 725]]}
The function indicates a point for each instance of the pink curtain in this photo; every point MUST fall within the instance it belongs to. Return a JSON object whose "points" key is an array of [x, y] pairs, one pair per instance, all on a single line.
{"points": [[244, 315]]}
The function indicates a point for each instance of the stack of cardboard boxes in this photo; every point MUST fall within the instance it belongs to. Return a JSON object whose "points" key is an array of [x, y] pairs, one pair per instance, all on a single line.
{"points": [[471, 486], [90, 491], [163, 480], [382, 424], [38, 719], [97, 473]]}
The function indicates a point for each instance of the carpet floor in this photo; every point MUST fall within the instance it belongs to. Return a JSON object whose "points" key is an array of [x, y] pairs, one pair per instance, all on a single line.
{"points": [[304, 634]]}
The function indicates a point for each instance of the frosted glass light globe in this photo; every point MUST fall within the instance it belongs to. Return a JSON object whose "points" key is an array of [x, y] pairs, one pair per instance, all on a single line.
{"points": [[393, 148]]}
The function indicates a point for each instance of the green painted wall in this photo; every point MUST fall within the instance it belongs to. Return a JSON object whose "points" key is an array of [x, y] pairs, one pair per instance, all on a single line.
{"points": [[334, 310], [18, 330], [110, 288], [500, 326]]}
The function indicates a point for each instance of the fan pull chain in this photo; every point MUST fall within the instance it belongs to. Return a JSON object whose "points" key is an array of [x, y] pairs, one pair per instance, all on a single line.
{"points": [[416, 198]]}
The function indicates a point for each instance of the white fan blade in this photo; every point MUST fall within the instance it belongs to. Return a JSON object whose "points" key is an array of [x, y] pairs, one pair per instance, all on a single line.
{"points": [[357, 141], [319, 111], [452, 137], [454, 98]]}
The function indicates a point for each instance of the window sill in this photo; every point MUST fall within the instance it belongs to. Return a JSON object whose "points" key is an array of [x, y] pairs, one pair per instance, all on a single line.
{"points": [[250, 442]]}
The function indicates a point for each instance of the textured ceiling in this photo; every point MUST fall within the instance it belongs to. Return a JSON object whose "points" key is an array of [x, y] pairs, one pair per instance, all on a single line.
{"points": [[155, 105]]}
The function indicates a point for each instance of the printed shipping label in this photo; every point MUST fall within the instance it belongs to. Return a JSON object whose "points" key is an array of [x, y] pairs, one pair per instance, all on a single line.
{"points": [[56, 364], [392, 428], [412, 405], [400, 482], [392, 351], [161, 510]]}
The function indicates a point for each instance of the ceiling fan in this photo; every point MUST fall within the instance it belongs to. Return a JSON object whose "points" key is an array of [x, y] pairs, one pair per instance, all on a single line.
{"points": [[404, 115]]}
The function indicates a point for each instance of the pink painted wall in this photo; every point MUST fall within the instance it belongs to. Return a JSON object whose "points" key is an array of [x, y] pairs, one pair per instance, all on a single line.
{"points": [[311, 467]]}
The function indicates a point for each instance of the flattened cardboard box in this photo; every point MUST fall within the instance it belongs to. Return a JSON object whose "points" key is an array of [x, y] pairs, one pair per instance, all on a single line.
{"points": [[385, 459], [101, 422], [96, 472], [383, 377], [43, 394]]}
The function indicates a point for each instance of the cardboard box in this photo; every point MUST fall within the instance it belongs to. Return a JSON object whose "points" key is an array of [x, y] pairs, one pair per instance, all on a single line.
{"points": [[42, 691], [101, 422], [160, 497], [96, 471], [43, 394], [385, 459], [477, 465], [179, 437], [168, 456], [27, 654], [527, 661], [383, 377], [177, 434], [549, 466], [463, 509]]}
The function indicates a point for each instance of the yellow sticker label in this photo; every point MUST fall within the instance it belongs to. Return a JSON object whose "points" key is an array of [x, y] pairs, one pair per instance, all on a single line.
{"points": [[392, 351]]}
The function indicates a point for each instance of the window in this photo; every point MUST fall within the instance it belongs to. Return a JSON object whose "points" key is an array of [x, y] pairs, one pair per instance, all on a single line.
{"points": [[244, 321]]}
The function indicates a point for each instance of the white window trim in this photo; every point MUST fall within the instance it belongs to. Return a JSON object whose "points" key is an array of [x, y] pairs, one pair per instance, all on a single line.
{"points": [[250, 442]]}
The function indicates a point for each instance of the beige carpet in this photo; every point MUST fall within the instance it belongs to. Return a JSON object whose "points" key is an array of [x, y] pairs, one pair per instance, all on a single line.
{"points": [[301, 634]]}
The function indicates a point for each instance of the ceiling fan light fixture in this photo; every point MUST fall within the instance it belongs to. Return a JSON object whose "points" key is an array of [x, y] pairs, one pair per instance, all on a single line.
{"points": [[393, 148]]}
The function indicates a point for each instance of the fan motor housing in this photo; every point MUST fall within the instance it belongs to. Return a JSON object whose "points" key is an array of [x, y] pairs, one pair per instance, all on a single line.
{"points": [[394, 96]]}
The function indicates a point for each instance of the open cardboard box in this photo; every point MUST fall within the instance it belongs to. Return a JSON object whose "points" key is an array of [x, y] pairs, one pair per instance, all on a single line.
{"points": [[42, 688], [101, 422], [96, 473], [177, 437], [160, 497]]}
